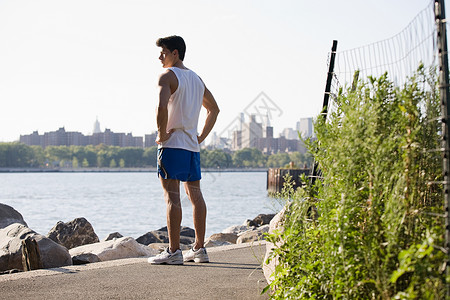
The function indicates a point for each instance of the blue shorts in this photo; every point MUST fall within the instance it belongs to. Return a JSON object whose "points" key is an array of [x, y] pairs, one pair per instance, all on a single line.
{"points": [[180, 164]]}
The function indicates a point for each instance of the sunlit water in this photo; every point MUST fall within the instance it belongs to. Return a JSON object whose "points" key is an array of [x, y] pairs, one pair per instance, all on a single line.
{"points": [[130, 203]]}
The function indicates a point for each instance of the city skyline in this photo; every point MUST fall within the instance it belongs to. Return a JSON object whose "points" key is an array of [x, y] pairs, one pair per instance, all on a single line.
{"points": [[96, 128], [251, 135]]}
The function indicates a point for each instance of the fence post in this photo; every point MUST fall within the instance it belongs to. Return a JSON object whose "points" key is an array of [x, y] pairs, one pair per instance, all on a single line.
{"points": [[439, 12], [326, 97]]}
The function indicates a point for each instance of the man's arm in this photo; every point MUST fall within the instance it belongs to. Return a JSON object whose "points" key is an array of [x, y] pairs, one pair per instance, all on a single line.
{"points": [[162, 113], [212, 110]]}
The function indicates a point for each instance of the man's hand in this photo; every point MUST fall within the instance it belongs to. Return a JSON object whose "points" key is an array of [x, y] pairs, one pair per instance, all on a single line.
{"points": [[163, 136], [200, 139], [212, 110]]}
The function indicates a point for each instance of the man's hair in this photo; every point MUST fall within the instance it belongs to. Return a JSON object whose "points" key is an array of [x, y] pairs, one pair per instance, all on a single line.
{"points": [[173, 42]]}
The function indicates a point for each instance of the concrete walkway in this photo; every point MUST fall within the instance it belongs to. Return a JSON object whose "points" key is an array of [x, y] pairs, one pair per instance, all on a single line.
{"points": [[233, 273]]}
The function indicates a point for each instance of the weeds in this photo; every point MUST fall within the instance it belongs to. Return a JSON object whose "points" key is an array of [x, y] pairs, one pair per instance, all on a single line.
{"points": [[371, 228]]}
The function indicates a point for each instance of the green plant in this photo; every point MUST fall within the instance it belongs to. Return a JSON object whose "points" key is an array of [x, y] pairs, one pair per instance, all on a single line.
{"points": [[379, 227]]}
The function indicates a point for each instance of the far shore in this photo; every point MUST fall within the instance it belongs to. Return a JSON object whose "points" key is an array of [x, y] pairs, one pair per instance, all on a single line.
{"points": [[114, 170]]}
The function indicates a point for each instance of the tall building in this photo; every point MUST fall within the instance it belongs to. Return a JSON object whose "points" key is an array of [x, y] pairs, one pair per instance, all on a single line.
{"points": [[96, 126], [236, 142], [242, 121], [290, 134], [305, 127], [251, 132]]}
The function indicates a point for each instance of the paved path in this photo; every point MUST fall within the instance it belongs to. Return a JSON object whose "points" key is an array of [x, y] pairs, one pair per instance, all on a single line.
{"points": [[233, 273]]}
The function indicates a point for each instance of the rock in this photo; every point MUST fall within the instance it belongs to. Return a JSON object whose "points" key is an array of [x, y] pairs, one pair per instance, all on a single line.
{"points": [[250, 223], [111, 236], [162, 236], [237, 229], [275, 224], [253, 235], [9, 215], [161, 246], [212, 243], [31, 255], [221, 239], [225, 237], [263, 219], [149, 238], [184, 231], [52, 255], [77, 232], [125, 247], [85, 258]]}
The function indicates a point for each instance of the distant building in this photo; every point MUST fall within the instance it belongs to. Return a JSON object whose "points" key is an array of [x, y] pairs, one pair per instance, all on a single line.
{"points": [[61, 137], [218, 142], [76, 139], [33, 139], [150, 140], [251, 132], [305, 127], [253, 135], [290, 134], [96, 126], [236, 142]]}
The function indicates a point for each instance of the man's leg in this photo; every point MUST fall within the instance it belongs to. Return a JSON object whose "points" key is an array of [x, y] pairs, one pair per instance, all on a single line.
{"points": [[172, 196], [199, 211]]}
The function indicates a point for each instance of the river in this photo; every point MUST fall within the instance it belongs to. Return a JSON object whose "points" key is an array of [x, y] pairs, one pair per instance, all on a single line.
{"points": [[130, 203]]}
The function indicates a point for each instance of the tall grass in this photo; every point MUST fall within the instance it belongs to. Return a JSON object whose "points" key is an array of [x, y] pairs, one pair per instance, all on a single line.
{"points": [[376, 230]]}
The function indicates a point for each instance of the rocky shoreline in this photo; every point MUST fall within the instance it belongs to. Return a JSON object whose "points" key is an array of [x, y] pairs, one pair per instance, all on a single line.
{"points": [[76, 242]]}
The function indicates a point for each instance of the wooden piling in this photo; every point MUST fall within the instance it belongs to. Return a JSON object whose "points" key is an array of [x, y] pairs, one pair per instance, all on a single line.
{"points": [[275, 178]]}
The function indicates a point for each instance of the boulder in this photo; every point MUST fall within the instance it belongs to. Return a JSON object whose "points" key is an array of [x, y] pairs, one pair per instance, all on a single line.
{"points": [[161, 246], [111, 236], [125, 247], [253, 235], [161, 236], [72, 234], [184, 231], [250, 223], [9, 215], [269, 267], [212, 243], [263, 219], [85, 258], [149, 238], [52, 255], [31, 255], [223, 237], [237, 229]]}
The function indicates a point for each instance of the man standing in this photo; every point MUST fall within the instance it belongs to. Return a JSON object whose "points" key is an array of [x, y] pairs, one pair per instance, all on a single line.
{"points": [[181, 95]]}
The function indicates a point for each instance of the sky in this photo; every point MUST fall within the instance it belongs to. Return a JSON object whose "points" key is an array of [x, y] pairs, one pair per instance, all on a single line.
{"points": [[66, 63]]}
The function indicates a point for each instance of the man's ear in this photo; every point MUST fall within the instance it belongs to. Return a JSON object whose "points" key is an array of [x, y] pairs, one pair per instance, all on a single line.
{"points": [[175, 52]]}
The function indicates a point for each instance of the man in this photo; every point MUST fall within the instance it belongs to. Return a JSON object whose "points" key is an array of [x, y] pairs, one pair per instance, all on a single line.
{"points": [[181, 95]]}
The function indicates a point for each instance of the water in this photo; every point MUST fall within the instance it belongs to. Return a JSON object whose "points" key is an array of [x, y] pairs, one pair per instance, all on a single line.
{"points": [[130, 203]]}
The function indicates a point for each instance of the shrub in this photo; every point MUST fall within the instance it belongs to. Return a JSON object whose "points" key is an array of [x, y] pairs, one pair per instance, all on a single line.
{"points": [[380, 227]]}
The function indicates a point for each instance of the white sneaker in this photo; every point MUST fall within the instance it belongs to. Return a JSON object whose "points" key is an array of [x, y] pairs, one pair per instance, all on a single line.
{"points": [[166, 257], [198, 256]]}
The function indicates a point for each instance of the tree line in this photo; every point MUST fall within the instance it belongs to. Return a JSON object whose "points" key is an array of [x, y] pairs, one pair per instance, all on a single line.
{"points": [[18, 155]]}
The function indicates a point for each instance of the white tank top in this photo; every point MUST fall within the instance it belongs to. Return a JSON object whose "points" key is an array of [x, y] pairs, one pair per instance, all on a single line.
{"points": [[184, 110]]}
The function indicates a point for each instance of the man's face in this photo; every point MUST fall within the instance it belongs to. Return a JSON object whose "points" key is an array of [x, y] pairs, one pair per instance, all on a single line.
{"points": [[167, 57]]}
